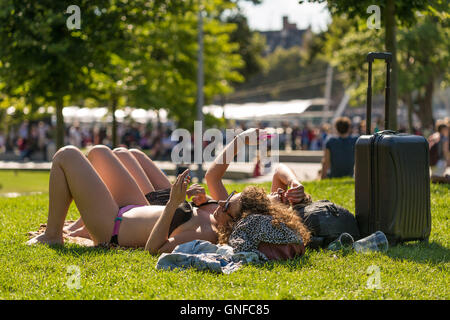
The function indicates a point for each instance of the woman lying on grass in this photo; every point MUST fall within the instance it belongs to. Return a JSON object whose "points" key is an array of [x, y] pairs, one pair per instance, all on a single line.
{"points": [[112, 191]]}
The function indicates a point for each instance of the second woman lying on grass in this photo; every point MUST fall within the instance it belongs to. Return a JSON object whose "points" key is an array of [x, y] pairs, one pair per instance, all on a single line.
{"points": [[125, 200]]}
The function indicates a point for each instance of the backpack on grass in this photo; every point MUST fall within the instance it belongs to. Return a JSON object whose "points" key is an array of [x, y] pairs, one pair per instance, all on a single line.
{"points": [[326, 221]]}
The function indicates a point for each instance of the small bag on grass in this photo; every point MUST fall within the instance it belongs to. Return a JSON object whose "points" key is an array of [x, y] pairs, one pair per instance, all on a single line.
{"points": [[326, 221]]}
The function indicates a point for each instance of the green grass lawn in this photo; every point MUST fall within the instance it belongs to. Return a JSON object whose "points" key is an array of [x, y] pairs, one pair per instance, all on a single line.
{"points": [[23, 181], [411, 271]]}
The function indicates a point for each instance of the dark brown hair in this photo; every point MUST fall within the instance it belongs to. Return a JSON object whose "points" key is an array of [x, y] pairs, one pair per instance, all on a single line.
{"points": [[254, 200], [342, 124], [440, 125]]}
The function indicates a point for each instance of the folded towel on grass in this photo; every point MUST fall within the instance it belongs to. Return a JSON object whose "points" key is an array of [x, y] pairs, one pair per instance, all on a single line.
{"points": [[204, 255]]}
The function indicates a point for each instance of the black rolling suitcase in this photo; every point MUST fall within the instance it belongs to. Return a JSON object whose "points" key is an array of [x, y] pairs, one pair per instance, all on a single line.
{"points": [[392, 182]]}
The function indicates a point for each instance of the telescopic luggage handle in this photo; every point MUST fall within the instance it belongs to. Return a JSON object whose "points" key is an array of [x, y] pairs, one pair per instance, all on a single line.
{"points": [[387, 57]]}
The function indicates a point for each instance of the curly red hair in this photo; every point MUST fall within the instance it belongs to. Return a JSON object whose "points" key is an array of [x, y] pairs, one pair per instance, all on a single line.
{"points": [[254, 200]]}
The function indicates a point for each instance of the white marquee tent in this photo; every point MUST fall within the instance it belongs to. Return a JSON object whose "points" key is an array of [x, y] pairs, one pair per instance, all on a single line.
{"points": [[73, 113], [272, 110]]}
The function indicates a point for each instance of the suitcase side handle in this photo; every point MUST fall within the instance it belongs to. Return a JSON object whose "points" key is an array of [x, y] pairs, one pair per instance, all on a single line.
{"points": [[386, 132], [387, 57]]}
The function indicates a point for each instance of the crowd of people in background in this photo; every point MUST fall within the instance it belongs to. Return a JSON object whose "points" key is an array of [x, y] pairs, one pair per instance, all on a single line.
{"points": [[35, 137], [26, 139], [440, 151], [30, 138]]}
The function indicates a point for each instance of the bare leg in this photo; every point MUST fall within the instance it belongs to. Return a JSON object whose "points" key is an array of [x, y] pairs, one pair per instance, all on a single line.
{"points": [[116, 177], [59, 202], [135, 169], [158, 179], [119, 179], [73, 177]]}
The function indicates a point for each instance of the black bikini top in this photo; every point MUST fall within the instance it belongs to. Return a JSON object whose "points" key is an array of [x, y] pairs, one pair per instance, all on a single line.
{"points": [[184, 213], [210, 201]]}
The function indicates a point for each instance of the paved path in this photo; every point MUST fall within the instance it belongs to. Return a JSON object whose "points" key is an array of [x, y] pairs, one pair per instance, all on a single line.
{"points": [[304, 172], [17, 165], [237, 171]]}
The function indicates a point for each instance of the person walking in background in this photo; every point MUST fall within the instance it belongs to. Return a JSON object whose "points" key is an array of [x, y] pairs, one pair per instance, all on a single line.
{"points": [[362, 128], [296, 138], [439, 152], [42, 139], [324, 132], [75, 135], [305, 138], [23, 130], [2, 141], [315, 140], [339, 155], [447, 121]]}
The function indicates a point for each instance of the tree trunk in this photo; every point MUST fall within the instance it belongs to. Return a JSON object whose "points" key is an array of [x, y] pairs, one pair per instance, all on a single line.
{"points": [[60, 130], [410, 105], [390, 43], [426, 106], [425, 111], [114, 122]]}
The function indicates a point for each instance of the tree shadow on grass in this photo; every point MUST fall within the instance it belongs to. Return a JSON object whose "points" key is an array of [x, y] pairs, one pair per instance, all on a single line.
{"points": [[343, 182], [78, 250], [443, 185], [430, 253], [290, 264], [333, 181], [422, 252]]}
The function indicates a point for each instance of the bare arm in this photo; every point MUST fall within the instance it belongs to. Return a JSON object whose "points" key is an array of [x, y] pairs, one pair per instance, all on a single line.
{"points": [[160, 242], [198, 194], [283, 178], [180, 238], [215, 172], [159, 235]]}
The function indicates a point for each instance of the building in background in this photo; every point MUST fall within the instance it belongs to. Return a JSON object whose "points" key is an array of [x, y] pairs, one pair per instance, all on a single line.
{"points": [[286, 38]]}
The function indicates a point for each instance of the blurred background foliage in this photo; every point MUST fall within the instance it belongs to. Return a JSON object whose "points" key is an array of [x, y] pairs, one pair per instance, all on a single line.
{"points": [[143, 53]]}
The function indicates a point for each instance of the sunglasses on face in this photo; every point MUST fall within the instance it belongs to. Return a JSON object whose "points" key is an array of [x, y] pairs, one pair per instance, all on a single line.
{"points": [[227, 205]]}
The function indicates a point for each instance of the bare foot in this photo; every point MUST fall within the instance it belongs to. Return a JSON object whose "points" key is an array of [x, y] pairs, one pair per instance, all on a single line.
{"points": [[71, 226], [44, 239], [81, 232]]}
